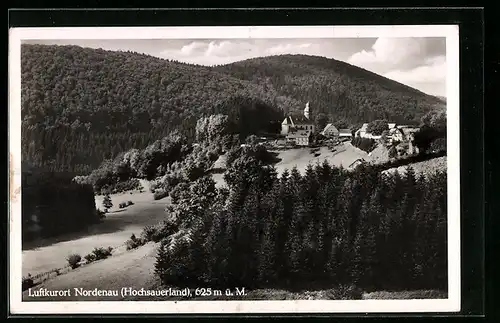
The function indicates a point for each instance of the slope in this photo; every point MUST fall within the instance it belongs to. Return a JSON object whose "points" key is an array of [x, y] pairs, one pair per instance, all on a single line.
{"points": [[81, 105], [336, 89]]}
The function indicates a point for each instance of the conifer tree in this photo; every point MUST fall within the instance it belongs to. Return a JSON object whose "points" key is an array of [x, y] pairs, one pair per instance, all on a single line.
{"points": [[107, 203]]}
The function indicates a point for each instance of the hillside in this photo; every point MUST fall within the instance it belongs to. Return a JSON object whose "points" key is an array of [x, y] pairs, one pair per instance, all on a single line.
{"points": [[81, 106], [335, 88], [425, 167]]}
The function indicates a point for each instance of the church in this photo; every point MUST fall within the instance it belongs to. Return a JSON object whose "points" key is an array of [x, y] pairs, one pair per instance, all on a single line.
{"points": [[294, 123], [298, 129]]}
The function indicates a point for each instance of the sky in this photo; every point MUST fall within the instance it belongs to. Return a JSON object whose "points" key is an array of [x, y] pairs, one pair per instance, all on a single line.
{"points": [[416, 62]]}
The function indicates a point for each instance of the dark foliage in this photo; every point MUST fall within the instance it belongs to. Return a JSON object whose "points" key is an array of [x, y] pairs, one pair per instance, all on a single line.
{"points": [[74, 260], [376, 231], [336, 89], [81, 106], [366, 144], [377, 127], [53, 204]]}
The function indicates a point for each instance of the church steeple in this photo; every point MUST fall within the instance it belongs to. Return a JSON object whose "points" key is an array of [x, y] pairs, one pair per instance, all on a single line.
{"points": [[307, 111]]}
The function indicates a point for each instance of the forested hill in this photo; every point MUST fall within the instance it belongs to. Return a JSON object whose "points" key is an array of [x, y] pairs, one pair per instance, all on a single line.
{"points": [[335, 88], [81, 106]]}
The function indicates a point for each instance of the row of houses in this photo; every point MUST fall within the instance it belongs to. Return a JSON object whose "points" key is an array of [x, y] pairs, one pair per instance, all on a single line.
{"points": [[299, 129]]}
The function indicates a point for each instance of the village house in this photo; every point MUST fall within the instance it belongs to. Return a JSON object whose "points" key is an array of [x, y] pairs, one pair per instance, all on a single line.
{"points": [[345, 133], [330, 131], [356, 163], [395, 134], [300, 138], [363, 133], [299, 128], [297, 122]]}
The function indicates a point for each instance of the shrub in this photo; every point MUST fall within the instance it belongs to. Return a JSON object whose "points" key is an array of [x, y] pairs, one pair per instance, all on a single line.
{"points": [[131, 244], [74, 260], [130, 203], [159, 194], [101, 214], [90, 258], [107, 203], [157, 232], [122, 205], [27, 282], [102, 253]]}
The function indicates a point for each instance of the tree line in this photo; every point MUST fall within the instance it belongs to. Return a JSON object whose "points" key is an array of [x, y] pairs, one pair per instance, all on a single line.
{"points": [[376, 231]]}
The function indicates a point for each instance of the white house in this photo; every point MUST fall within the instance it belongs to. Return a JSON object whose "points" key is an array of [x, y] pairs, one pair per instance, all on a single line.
{"points": [[300, 138], [330, 131], [294, 123]]}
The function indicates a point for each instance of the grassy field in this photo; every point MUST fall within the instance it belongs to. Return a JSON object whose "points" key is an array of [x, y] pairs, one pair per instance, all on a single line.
{"points": [[130, 269], [344, 155], [115, 229]]}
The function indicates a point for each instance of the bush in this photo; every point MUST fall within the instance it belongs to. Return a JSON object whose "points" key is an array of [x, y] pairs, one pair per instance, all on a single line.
{"points": [[158, 232], [133, 242], [122, 205], [90, 258], [130, 203], [101, 214], [74, 260], [366, 144], [27, 282], [159, 194], [102, 253]]}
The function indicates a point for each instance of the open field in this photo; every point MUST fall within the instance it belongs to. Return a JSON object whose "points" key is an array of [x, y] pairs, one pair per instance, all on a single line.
{"points": [[344, 155], [114, 230], [130, 269]]}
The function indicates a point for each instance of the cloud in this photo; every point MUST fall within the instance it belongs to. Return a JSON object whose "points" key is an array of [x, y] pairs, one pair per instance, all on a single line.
{"points": [[429, 77], [417, 62]]}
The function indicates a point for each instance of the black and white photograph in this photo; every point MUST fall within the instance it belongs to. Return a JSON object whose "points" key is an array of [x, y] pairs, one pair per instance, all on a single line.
{"points": [[217, 169]]}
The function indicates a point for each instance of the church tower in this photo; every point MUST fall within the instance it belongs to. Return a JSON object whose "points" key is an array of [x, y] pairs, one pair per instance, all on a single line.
{"points": [[307, 112]]}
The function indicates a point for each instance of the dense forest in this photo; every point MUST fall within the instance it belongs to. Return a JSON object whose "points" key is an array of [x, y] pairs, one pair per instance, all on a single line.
{"points": [[53, 204], [335, 89], [360, 228], [81, 106]]}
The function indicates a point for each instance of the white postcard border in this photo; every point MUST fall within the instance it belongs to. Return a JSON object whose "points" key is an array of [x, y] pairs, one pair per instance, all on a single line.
{"points": [[451, 304]]}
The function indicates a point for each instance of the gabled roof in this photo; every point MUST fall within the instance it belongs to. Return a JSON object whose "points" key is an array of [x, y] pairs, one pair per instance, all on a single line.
{"points": [[391, 125], [296, 120], [363, 127], [359, 160], [330, 127]]}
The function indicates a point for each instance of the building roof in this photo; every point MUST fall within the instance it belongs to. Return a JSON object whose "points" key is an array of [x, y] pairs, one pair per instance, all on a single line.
{"points": [[359, 160], [330, 127], [299, 134], [297, 120], [345, 131], [364, 127], [391, 125]]}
